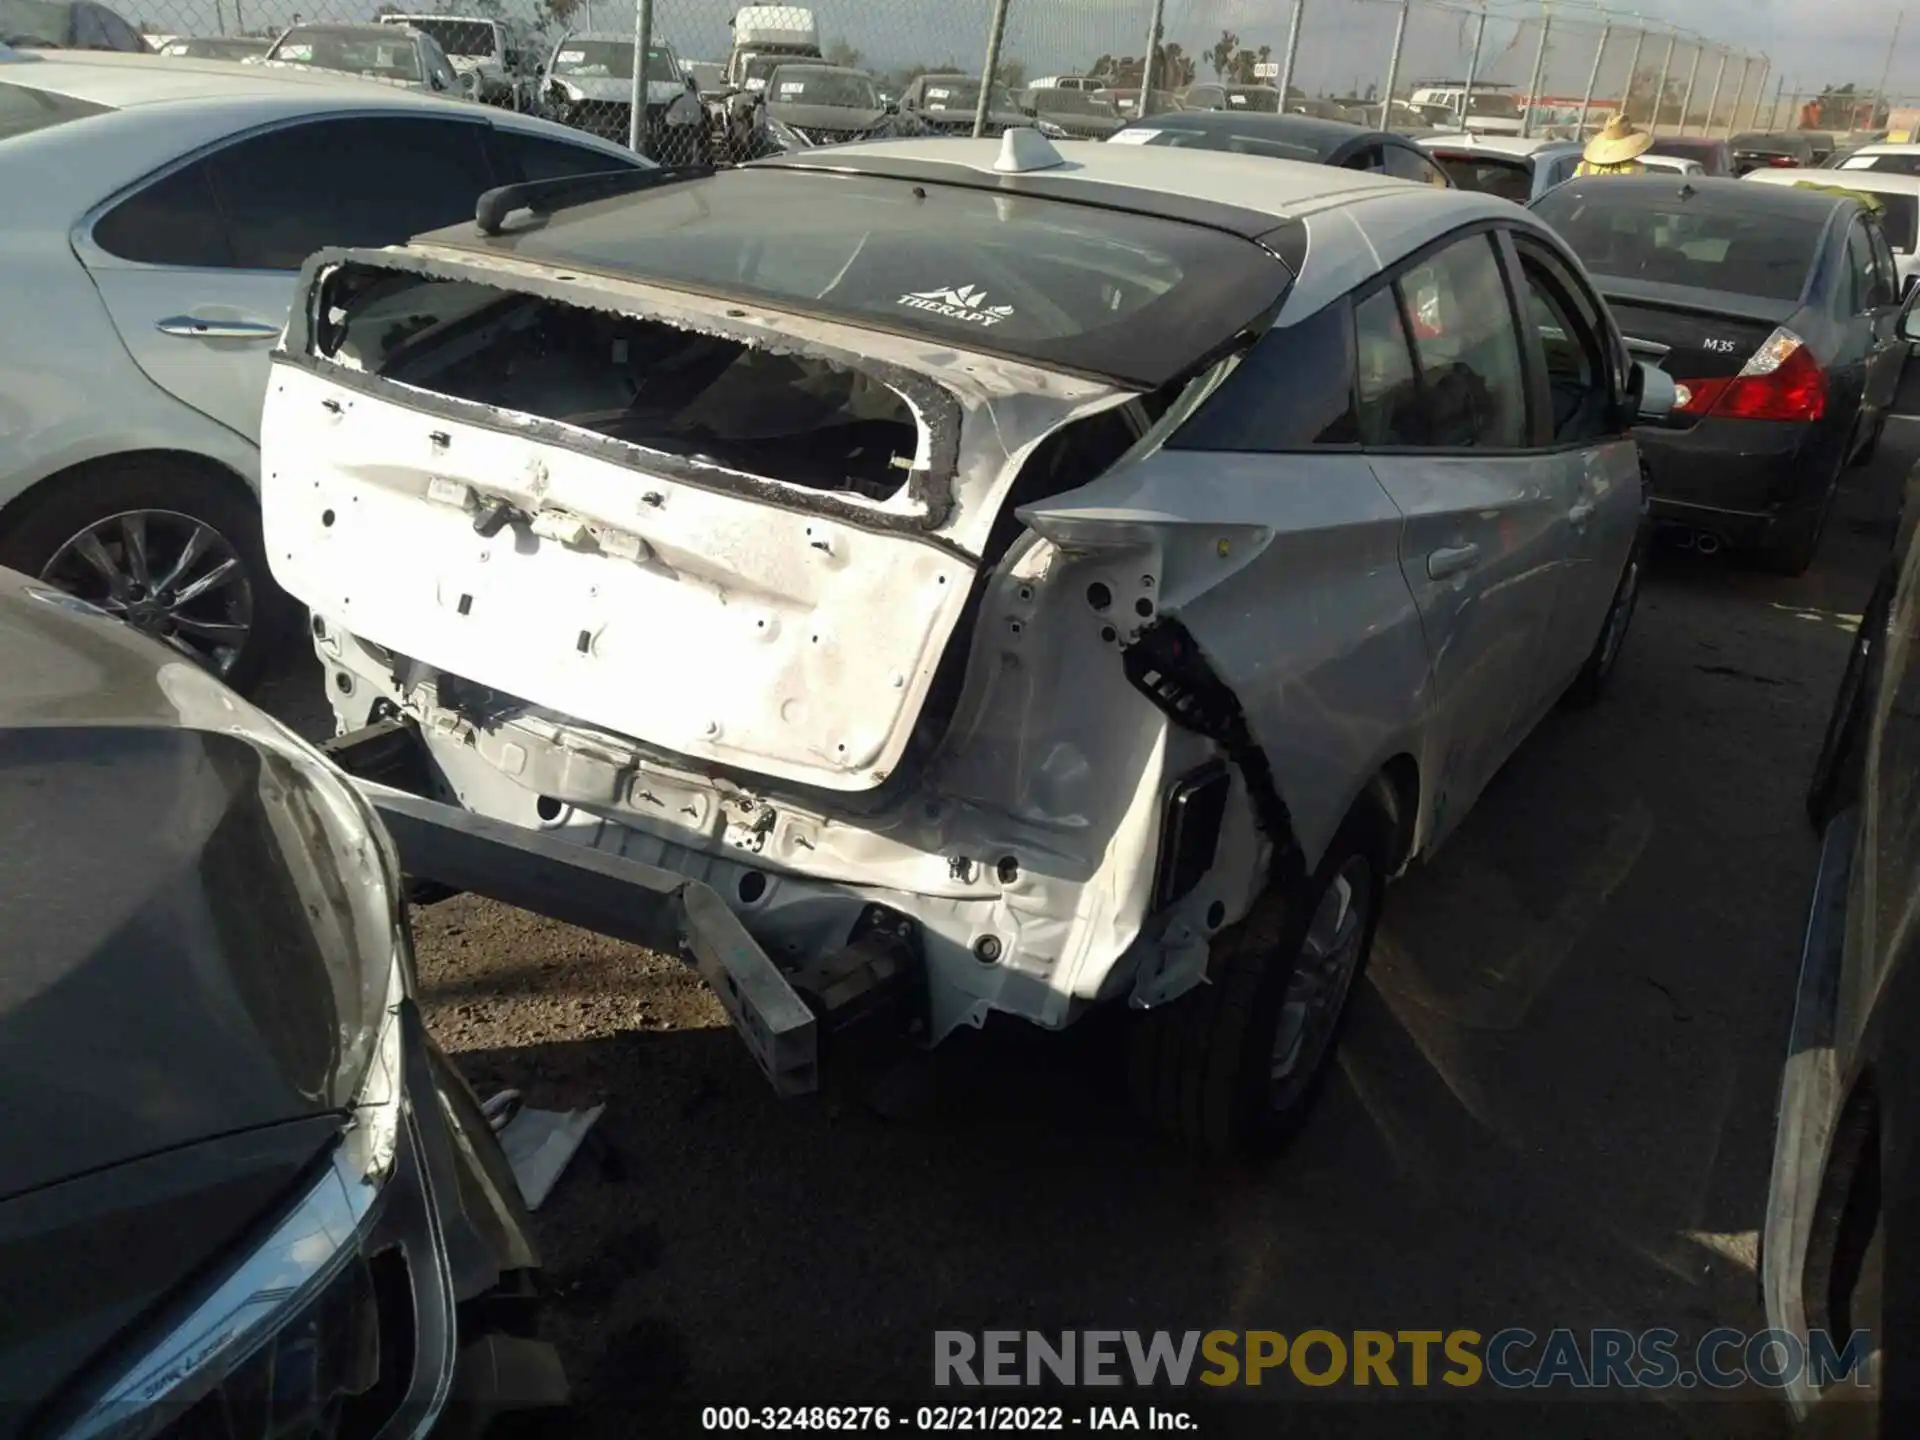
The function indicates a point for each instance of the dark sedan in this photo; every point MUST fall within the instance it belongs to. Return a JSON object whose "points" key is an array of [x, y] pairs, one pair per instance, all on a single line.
{"points": [[1843, 1205], [242, 1192], [830, 104], [947, 104], [1081, 113], [1777, 310], [1780, 150], [1713, 155], [1288, 137]]}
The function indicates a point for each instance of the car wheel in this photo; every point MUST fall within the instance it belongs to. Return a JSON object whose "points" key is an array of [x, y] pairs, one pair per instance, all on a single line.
{"points": [[1836, 773], [1591, 682], [1791, 551], [170, 549], [1233, 1066]]}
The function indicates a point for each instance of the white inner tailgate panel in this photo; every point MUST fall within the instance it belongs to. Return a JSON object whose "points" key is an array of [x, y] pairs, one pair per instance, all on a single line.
{"points": [[705, 623]]}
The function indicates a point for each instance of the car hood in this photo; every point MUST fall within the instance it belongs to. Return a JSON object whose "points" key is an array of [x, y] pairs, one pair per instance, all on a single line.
{"points": [[200, 931], [827, 117], [956, 118], [606, 88], [1080, 124]]}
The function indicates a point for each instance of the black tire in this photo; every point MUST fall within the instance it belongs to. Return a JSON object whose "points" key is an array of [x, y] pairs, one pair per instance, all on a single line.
{"points": [[1201, 1067], [68, 504], [1836, 773], [1791, 551], [1591, 683]]}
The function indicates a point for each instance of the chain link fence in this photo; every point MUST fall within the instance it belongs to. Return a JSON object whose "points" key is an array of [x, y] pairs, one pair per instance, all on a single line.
{"points": [[724, 82]]}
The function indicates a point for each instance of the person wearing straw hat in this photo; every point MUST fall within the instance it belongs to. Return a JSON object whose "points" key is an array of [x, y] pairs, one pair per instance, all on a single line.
{"points": [[1616, 150]]}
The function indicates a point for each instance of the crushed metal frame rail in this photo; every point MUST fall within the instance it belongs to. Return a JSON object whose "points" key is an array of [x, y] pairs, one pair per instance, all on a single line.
{"points": [[608, 894]]}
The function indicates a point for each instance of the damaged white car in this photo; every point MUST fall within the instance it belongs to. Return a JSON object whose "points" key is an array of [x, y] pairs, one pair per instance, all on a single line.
{"points": [[1005, 585]]}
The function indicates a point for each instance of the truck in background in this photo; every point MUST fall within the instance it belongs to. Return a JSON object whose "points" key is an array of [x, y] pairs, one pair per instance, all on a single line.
{"points": [[763, 36]]}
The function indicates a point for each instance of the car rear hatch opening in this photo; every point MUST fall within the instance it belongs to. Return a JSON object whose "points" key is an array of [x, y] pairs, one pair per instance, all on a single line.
{"points": [[738, 518]]}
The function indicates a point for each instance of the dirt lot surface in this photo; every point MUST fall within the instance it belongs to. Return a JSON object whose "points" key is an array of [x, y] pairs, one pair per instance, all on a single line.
{"points": [[1553, 1105]]}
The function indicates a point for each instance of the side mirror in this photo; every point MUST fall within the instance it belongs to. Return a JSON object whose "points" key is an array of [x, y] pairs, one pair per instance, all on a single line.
{"points": [[1653, 392], [892, 107], [436, 82]]}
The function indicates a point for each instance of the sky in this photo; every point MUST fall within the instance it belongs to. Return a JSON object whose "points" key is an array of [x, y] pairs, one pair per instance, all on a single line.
{"points": [[1344, 43]]}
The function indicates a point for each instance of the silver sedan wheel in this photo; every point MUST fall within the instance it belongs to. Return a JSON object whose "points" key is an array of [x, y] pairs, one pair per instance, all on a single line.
{"points": [[167, 574], [1323, 973]]}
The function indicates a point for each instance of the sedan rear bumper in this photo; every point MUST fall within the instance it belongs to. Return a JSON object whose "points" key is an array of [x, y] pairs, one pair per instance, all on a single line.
{"points": [[1739, 479]]}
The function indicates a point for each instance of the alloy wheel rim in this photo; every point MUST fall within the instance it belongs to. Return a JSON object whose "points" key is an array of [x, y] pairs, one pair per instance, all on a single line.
{"points": [[168, 575], [1323, 974]]}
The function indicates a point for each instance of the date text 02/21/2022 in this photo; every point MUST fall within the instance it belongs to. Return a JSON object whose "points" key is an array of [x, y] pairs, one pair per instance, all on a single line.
{"points": [[940, 1419]]}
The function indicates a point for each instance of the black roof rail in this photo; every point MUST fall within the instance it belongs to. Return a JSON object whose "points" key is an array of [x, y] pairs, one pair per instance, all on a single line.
{"points": [[544, 197]]}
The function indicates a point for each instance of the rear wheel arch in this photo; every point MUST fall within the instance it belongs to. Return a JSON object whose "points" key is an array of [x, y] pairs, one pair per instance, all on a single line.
{"points": [[16, 511]]}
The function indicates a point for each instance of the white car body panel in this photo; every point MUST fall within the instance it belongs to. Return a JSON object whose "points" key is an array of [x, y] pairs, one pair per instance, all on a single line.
{"points": [[1906, 250], [84, 371], [654, 689]]}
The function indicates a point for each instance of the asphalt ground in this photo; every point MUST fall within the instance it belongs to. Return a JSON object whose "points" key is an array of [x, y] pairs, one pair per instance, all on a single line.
{"points": [[1553, 1105]]}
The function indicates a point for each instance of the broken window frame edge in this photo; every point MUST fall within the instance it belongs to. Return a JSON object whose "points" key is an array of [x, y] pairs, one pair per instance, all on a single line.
{"points": [[936, 411]]}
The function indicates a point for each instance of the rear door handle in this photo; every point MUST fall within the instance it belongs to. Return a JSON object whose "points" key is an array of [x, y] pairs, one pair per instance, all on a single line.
{"points": [[193, 328], [1454, 560], [1579, 513]]}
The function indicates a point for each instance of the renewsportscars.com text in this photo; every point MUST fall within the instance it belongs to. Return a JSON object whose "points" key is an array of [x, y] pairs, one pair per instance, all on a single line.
{"points": [[1510, 1359]]}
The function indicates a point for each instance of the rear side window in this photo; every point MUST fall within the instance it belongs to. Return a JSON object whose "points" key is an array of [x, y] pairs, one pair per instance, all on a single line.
{"points": [[170, 222], [1273, 149], [537, 157], [1292, 391], [293, 191], [1509, 179], [1892, 164], [1406, 163], [1655, 236]]}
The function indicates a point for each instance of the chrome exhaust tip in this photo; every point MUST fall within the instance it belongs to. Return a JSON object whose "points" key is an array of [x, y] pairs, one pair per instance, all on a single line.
{"points": [[1707, 543]]}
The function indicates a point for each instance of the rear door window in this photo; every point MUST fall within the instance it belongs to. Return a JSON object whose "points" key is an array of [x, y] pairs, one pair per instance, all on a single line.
{"points": [[539, 157], [1509, 179], [1390, 405], [370, 181], [1467, 347], [1863, 278], [1403, 162]]}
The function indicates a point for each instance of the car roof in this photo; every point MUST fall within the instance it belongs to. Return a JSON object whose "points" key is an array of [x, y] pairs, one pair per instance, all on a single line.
{"points": [[1159, 180], [814, 62], [1467, 140], [1723, 192], [1889, 147], [625, 37], [1312, 130], [371, 28], [1879, 182], [122, 81]]}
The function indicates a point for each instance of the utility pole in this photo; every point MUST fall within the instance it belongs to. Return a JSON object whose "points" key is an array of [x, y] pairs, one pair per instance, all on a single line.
{"points": [[996, 33], [1660, 89], [1686, 101], [1147, 67], [1539, 70], [1473, 66], [1713, 100], [1293, 51], [1880, 94], [1393, 65], [1733, 115], [1593, 79], [1759, 90], [637, 110]]}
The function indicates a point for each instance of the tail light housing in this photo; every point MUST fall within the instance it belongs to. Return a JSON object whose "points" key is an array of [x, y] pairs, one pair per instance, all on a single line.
{"points": [[1780, 381], [1782, 162]]}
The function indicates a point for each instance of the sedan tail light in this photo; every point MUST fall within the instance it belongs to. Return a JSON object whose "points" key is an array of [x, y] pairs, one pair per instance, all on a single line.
{"points": [[1782, 162], [1780, 381]]}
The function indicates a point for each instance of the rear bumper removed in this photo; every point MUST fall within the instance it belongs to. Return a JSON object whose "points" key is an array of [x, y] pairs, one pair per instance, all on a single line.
{"points": [[609, 894]]}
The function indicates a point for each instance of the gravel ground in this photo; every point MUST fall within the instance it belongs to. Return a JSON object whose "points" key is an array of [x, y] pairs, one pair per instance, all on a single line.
{"points": [[1553, 1105]]}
